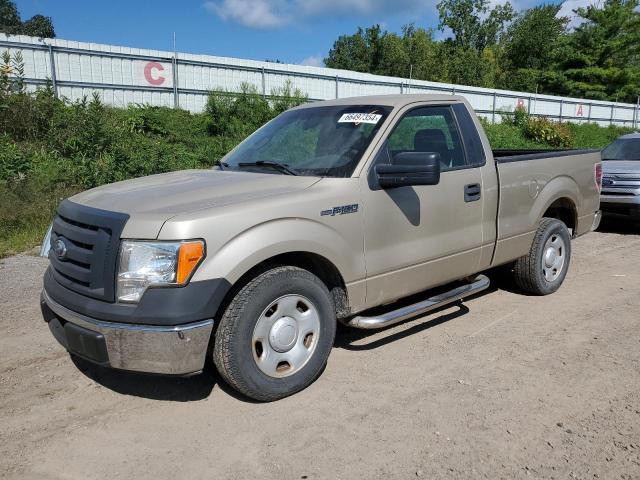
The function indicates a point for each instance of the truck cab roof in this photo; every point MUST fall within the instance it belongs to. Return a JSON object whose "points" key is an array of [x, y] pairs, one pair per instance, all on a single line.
{"points": [[396, 100]]}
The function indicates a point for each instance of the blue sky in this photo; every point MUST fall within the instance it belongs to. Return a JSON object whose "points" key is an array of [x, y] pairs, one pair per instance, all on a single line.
{"points": [[294, 31]]}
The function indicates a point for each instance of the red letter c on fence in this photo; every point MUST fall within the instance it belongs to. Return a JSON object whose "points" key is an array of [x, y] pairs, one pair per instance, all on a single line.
{"points": [[148, 73]]}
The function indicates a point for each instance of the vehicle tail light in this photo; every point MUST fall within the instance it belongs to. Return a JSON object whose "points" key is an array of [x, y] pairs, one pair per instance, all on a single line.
{"points": [[598, 176]]}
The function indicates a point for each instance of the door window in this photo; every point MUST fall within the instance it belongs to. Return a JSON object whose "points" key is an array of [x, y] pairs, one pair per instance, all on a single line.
{"points": [[427, 129]]}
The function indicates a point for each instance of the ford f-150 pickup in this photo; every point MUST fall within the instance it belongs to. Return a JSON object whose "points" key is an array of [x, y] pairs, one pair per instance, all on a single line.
{"points": [[329, 210]]}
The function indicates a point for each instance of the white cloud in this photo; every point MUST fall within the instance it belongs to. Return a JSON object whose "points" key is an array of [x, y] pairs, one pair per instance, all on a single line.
{"points": [[361, 7], [568, 6], [251, 13], [266, 14], [313, 61]]}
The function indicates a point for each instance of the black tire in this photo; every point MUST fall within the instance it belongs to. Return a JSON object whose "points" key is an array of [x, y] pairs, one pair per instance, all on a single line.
{"points": [[529, 271], [233, 352]]}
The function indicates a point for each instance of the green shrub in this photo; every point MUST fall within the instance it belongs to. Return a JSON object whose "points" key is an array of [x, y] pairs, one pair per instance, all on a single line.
{"points": [[509, 136], [591, 135], [543, 130], [520, 117], [238, 115], [13, 163]]}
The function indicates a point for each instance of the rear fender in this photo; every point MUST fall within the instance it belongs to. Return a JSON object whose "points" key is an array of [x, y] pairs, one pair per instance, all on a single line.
{"points": [[559, 187]]}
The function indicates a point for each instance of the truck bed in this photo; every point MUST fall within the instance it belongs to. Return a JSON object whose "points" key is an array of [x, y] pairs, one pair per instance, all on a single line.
{"points": [[529, 181]]}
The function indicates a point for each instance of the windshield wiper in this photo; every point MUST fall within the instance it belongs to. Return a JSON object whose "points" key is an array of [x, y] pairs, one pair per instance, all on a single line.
{"points": [[281, 167]]}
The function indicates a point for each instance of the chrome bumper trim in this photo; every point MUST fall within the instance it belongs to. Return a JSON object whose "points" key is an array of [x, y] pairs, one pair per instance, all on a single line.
{"points": [[597, 218], [620, 199], [176, 350]]}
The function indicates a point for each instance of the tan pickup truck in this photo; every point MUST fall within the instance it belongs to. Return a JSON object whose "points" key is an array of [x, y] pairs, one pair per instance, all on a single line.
{"points": [[331, 209]]}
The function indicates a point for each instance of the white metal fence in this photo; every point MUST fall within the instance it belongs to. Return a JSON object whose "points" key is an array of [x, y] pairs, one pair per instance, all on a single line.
{"points": [[123, 75]]}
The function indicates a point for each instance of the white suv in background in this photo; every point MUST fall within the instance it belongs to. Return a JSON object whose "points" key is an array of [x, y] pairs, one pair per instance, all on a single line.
{"points": [[621, 180]]}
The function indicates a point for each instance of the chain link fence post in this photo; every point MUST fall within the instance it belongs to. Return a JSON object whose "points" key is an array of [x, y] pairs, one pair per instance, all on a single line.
{"points": [[174, 68], [561, 108], [612, 114], [493, 109], [52, 68]]}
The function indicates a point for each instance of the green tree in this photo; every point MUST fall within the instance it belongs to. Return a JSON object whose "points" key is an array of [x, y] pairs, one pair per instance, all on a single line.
{"points": [[472, 54], [493, 47], [532, 40], [601, 57], [473, 23], [358, 52], [36, 26], [9, 17], [393, 58], [423, 53]]}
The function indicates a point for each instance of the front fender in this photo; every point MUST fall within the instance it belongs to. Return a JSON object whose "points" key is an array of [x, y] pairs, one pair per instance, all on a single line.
{"points": [[285, 235]]}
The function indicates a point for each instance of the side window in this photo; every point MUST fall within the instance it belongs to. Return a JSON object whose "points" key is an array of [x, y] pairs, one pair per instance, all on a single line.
{"points": [[428, 129], [470, 136]]}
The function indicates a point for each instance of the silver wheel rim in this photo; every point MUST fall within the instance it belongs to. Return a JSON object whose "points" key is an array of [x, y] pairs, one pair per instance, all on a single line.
{"points": [[553, 257], [285, 336]]}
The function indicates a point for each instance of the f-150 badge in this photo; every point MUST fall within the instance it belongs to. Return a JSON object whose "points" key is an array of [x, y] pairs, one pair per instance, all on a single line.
{"points": [[342, 210]]}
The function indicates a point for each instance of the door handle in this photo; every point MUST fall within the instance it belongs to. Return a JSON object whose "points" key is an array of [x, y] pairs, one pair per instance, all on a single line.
{"points": [[472, 192]]}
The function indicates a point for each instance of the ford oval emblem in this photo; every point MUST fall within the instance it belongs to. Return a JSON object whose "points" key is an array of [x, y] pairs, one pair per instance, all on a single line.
{"points": [[607, 182], [59, 248]]}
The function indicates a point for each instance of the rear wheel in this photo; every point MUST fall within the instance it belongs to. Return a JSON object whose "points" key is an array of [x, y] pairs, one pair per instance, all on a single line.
{"points": [[276, 335], [544, 268]]}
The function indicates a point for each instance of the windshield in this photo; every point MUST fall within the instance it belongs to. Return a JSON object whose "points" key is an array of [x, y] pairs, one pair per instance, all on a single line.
{"points": [[623, 149], [322, 141]]}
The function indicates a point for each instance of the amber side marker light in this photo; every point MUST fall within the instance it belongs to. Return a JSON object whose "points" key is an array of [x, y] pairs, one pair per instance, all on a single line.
{"points": [[189, 257]]}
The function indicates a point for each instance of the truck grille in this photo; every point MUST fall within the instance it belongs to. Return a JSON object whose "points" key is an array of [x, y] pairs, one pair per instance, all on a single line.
{"points": [[84, 249], [623, 184]]}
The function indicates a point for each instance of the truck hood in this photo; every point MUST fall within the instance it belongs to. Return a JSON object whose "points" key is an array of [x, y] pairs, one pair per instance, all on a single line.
{"points": [[151, 201], [621, 166]]}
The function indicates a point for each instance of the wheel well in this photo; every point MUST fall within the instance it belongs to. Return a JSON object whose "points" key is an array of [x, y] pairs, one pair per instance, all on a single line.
{"points": [[320, 266], [564, 210]]}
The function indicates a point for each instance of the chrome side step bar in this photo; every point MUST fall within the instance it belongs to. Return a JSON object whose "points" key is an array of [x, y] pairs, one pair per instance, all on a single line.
{"points": [[479, 283]]}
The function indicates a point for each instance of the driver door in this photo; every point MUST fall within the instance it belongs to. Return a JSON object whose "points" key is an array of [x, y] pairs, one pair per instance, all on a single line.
{"points": [[417, 237]]}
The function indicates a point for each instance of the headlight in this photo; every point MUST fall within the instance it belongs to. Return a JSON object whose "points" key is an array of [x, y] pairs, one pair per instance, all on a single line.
{"points": [[46, 243], [145, 264]]}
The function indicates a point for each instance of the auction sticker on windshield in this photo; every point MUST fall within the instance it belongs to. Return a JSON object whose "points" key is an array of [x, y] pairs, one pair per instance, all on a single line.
{"points": [[360, 118]]}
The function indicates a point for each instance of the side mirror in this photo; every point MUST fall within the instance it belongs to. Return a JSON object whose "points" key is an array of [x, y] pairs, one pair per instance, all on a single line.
{"points": [[410, 168]]}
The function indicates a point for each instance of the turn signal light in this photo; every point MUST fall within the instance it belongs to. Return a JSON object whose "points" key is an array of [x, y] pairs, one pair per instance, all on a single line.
{"points": [[189, 257]]}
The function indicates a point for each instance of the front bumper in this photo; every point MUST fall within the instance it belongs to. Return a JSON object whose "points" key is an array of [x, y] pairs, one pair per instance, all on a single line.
{"points": [[606, 198], [621, 206], [173, 350]]}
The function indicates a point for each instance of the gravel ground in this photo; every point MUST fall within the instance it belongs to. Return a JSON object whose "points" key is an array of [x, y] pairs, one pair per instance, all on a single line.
{"points": [[503, 386]]}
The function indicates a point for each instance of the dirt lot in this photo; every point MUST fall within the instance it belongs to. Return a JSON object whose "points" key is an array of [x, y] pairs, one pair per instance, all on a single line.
{"points": [[504, 386]]}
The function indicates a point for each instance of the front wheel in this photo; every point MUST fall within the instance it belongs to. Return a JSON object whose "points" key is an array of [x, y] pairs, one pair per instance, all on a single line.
{"points": [[544, 268], [276, 334]]}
